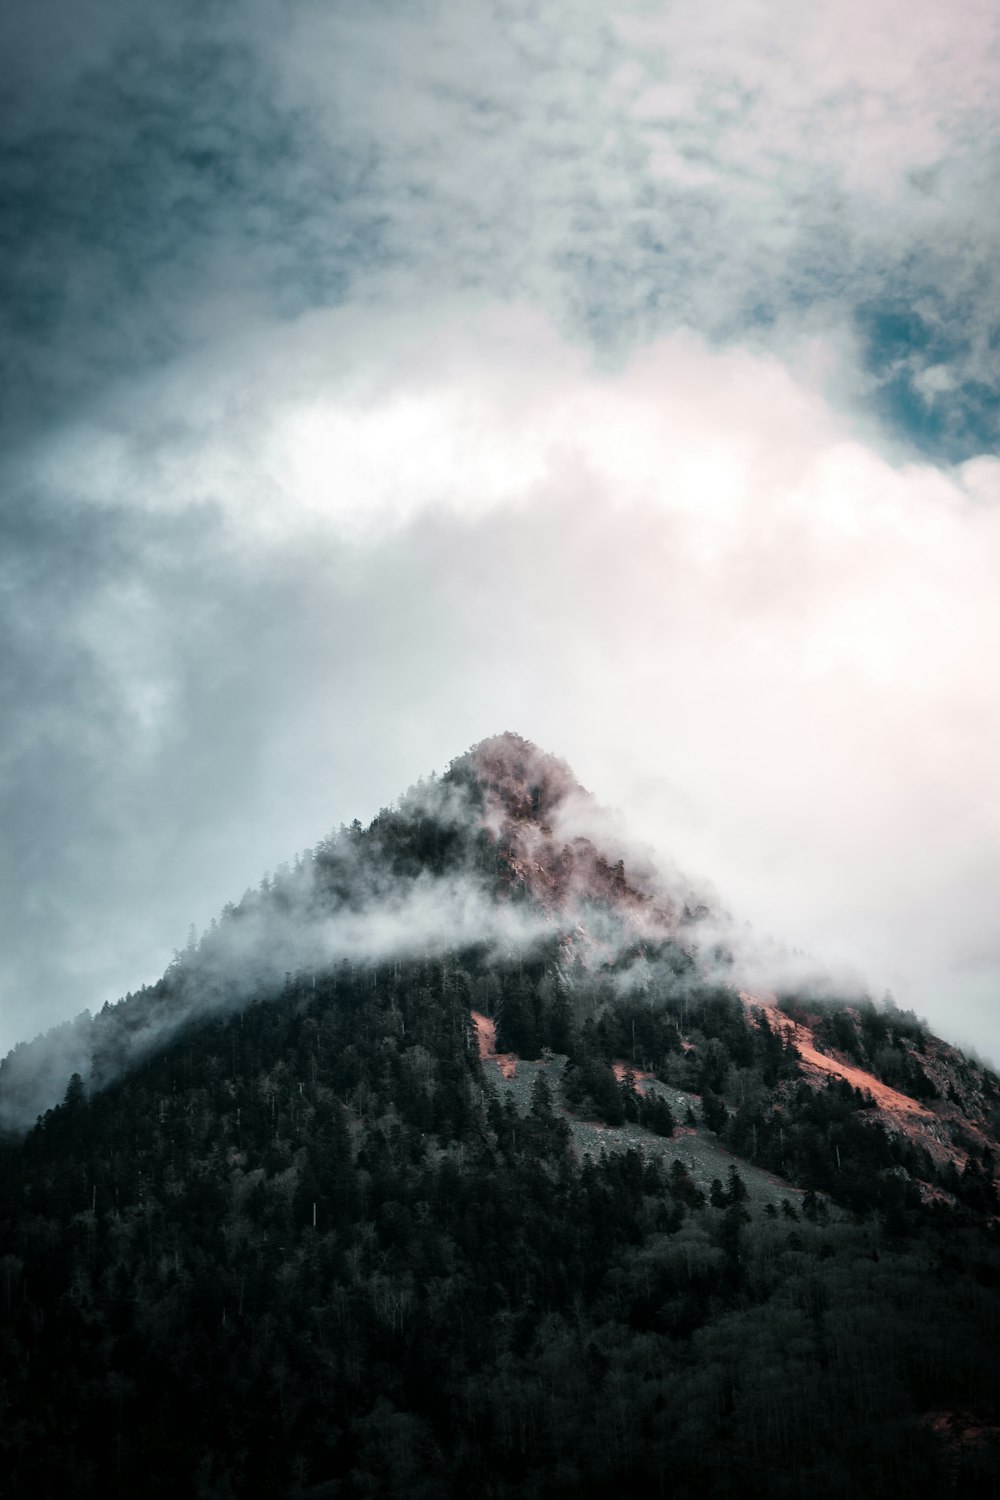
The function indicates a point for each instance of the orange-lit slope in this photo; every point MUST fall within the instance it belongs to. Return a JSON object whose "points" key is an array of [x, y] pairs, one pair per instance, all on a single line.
{"points": [[486, 1035], [888, 1099]]}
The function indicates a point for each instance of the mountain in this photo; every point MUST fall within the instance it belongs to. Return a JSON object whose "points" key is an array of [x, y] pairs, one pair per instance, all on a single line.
{"points": [[458, 1159]]}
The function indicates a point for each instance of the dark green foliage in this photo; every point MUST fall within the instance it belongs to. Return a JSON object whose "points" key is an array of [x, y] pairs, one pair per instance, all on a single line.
{"points": [[591, 1089], [654, 1113], [300, 1252], [713, 1111], [633, 1028]]}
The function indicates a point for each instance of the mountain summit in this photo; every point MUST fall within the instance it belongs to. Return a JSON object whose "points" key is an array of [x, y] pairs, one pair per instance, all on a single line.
{"points": [[506, 848], [555, 843], [456, 1159]]}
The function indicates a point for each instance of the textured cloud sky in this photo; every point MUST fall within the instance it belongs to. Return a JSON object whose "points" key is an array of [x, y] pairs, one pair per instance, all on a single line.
{"points": [[376, 379]]}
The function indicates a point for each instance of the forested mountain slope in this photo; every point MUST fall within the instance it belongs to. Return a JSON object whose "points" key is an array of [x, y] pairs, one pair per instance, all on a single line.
{"points": [[453, 1162]]}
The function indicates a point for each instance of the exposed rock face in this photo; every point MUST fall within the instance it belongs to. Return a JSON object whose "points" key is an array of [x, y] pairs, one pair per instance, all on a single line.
{"points": [[561, 848], [563, 852]]}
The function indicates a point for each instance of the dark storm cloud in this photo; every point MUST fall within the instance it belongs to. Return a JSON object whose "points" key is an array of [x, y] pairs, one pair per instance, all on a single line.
{"points": [[164, 175], [143, 188]]}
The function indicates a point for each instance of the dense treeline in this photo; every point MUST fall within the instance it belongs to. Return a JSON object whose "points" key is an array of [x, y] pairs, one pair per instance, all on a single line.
{"points": [[305, 1250]]}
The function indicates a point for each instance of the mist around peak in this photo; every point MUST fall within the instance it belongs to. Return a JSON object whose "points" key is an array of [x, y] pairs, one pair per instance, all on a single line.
{"points": [[504, 856], [502, 853]]}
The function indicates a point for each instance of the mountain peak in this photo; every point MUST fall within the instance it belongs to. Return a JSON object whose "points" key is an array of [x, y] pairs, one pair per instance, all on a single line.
{"points": [[522, 781], [468, 1094], [558, 845]]}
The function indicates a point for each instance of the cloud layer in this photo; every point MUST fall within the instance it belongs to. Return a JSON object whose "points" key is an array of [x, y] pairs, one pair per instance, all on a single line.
{"points": [[747, 171], [375, 380]]}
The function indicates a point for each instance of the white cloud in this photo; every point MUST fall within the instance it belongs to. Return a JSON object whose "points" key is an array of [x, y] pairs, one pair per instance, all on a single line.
{"points": [[346, 544], [872, 90], [691, 578]]}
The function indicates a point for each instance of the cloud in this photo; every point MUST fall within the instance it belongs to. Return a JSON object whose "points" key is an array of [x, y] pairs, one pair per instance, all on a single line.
{"points": [[752, 175], [356, 900], [739, 171], [376, 378], [736, 620]]}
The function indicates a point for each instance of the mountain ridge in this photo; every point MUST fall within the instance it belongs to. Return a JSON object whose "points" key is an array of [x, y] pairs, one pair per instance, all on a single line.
{"points": [[484, 797], [452, 1161], [507, 846]]}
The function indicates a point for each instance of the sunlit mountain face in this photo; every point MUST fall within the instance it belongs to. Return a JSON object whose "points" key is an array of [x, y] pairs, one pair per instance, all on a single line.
{"points": [[462, 1158]]}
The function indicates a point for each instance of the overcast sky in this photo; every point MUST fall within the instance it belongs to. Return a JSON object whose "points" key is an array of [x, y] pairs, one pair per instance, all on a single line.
{"points": [[379, 377]]}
